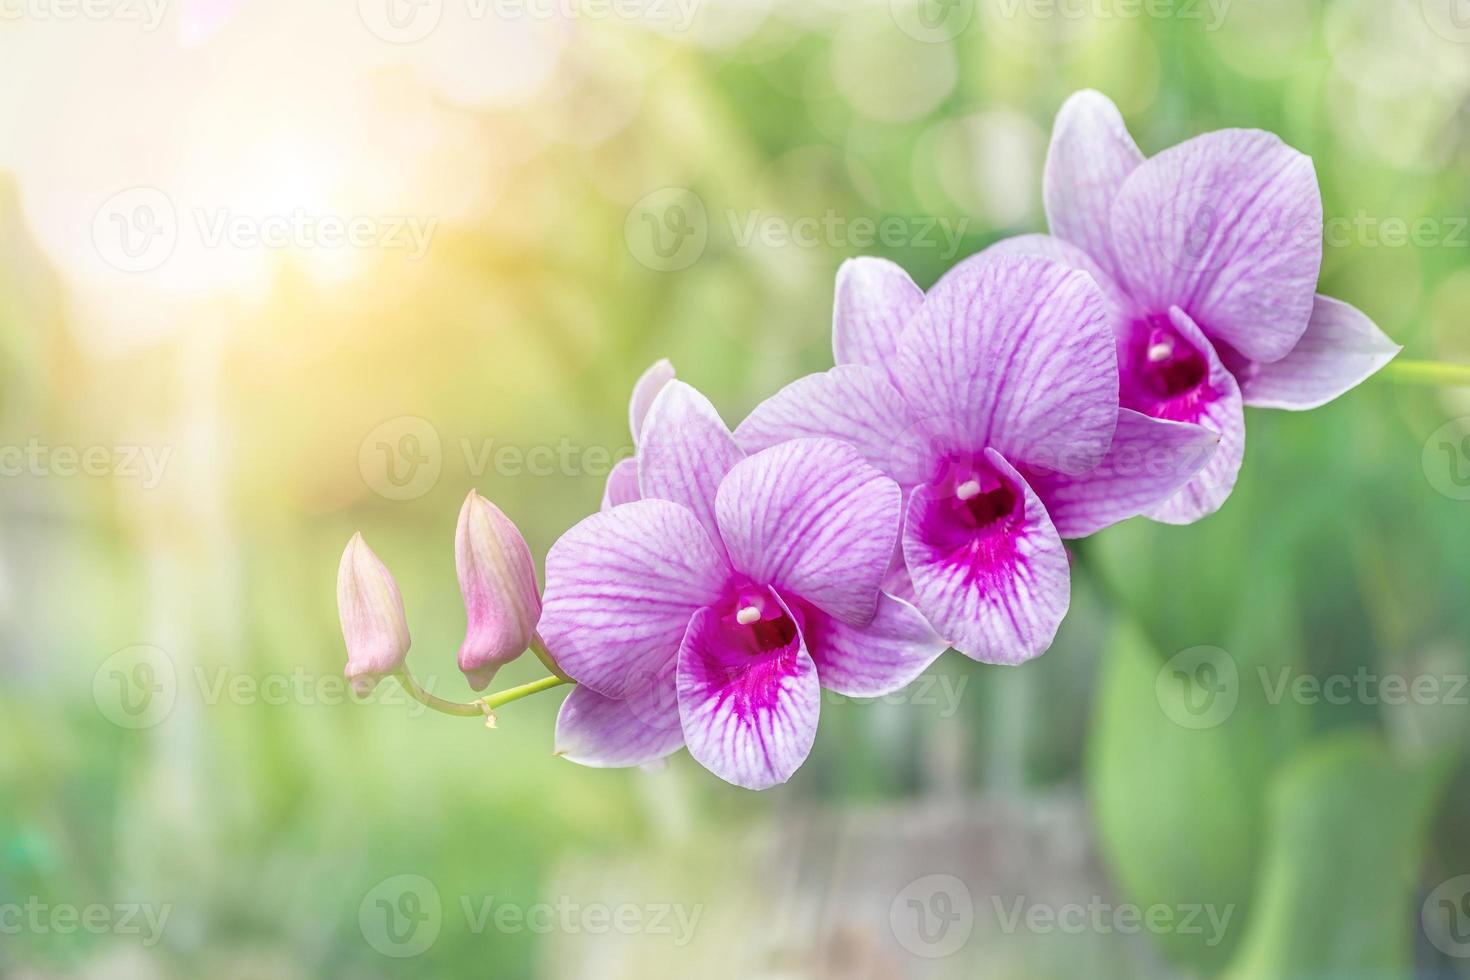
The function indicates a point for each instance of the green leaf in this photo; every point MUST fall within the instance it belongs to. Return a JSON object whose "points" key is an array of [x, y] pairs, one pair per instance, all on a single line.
{"points": [[1348, 829], [1184, 748]]}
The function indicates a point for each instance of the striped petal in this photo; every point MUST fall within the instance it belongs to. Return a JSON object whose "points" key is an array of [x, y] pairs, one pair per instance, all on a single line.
{"points": [[622, 484], [1149, 461], [1216, 404], [1228, 227], [748, 704], [1340, 350], [1014, 353], [873, 660], [814, 520], [685, 452], [994, 582], [1119, 305], [1091, 156], [875, 299], [620, 588], [593, 730], [850, 403], [645, 390]]}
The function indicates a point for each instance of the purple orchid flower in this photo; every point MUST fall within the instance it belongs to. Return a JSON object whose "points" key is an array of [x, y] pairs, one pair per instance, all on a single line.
{"points": [[1209, 254], [711, 611], [993, 402]]}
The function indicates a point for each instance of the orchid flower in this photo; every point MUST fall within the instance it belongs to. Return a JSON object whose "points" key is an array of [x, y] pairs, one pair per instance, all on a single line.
{"points": [[1208, 254], [709, 612], [622, 482], [993, 402]]}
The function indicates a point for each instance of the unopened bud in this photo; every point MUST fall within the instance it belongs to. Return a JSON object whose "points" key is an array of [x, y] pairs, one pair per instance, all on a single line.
{"points": [[373, 622], [498, 580]]}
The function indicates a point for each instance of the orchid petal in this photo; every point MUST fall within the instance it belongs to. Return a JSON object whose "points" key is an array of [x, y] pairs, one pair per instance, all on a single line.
{"points": [[1090, 158], [749, 718], [850, 403], [622, 484], [593, 730], [620, 588], [685, 452], [874, 301], [874, 660], [1014, 353], [1219, 409], [1341, 349], [645, 390], [811, 518], [1149, 461], [1228, 227], [999, 599], [1120, 306]]}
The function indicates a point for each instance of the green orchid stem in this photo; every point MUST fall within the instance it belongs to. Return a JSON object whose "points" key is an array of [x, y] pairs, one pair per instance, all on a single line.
{"points": [[473, 710], [493, 701], [1428, 373], [481, 708]]}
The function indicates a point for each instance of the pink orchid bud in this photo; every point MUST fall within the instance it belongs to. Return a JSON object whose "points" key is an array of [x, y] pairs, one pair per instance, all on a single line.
{"points": [[498, 580], [373, 622]]}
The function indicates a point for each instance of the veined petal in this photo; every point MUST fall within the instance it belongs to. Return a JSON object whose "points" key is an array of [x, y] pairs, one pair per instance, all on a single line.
{"points": [[620, 588], [1228, 227], [1149, 461], [749, 715], [998, 595], [814, 520], [1341, 349], [1120, 306], [685, 452], [622, 484], [1218, 407], [1014, 353], [850, 403], [1091, 155], [645, 390], [873, 660], [593, 730], [873, 303]]}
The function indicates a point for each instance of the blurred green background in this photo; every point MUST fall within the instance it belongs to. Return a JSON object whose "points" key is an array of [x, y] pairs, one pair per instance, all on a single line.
{"points": [[1260, 719]]}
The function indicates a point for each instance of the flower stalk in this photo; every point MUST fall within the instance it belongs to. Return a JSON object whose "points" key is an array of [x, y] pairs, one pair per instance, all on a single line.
{"points": [[480, 707], [493, 701], [1428, 373]]}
